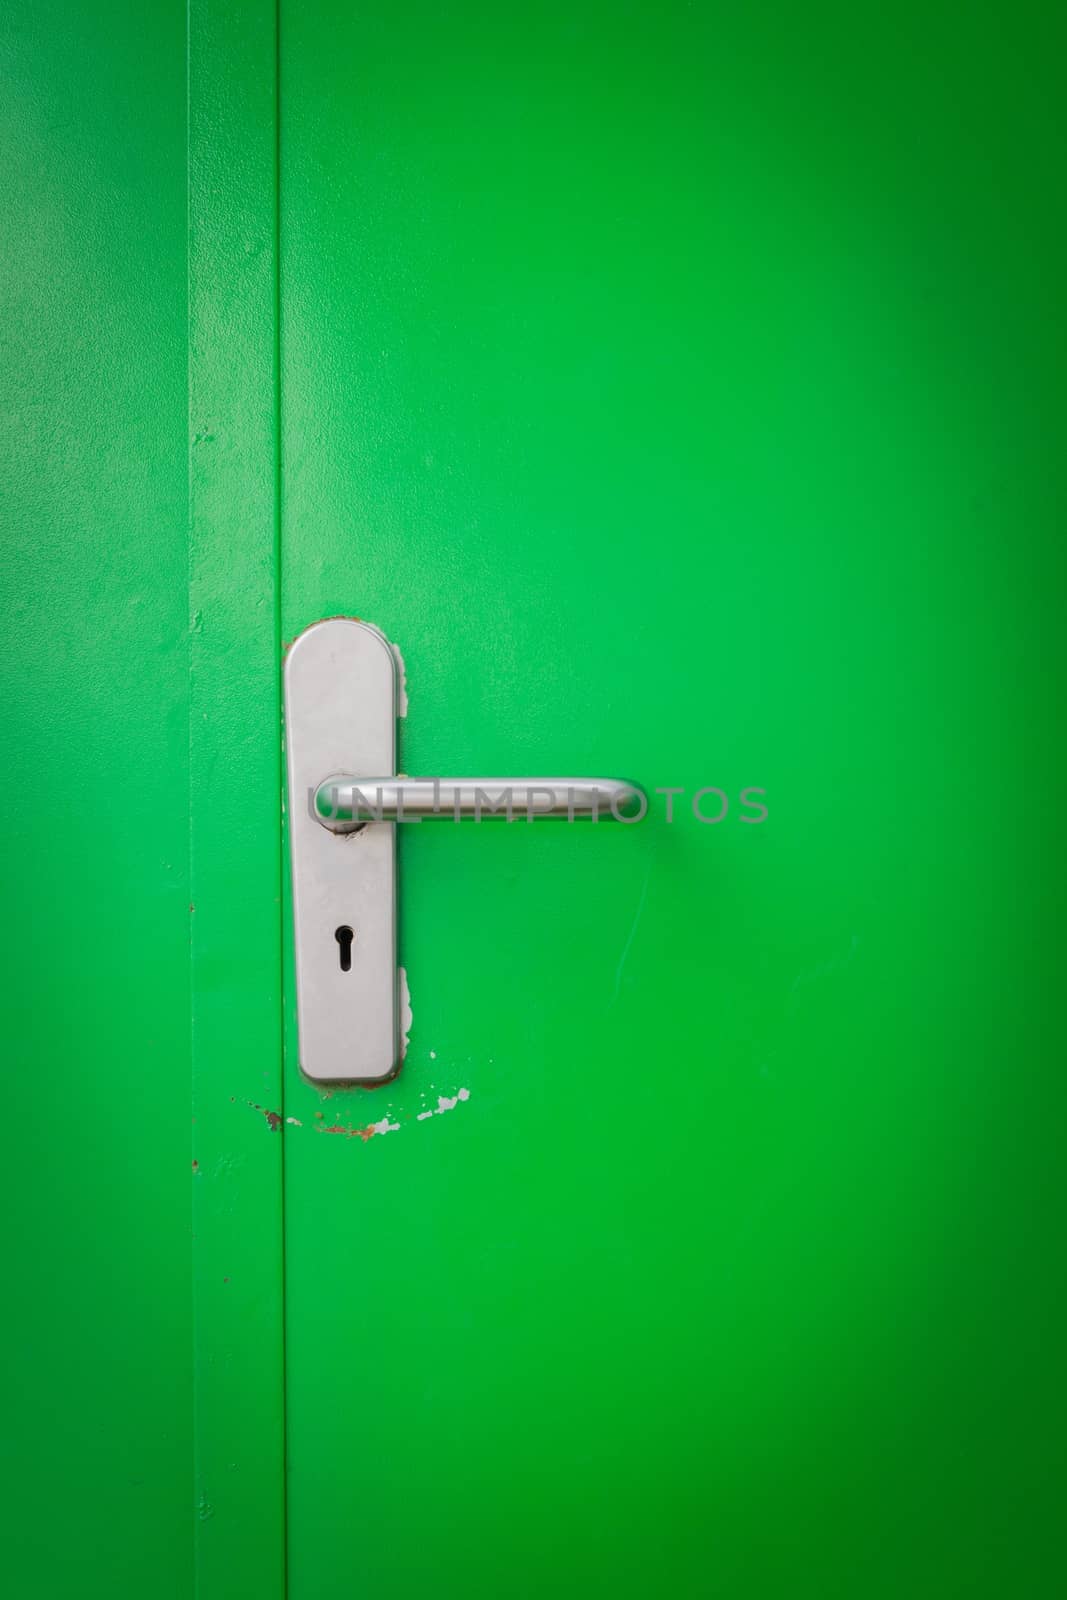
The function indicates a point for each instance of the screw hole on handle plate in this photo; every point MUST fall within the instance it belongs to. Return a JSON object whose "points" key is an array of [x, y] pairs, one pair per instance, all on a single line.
{"points": [[344, 937]]}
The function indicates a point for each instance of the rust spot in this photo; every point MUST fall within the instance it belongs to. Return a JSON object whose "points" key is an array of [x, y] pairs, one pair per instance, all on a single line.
{"points": [[196, 1166], [351, 1133], [274, 1118]]}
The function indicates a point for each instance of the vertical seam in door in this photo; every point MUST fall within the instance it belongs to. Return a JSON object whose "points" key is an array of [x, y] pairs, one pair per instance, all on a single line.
{"points": [[281, 753], [235, 859]]}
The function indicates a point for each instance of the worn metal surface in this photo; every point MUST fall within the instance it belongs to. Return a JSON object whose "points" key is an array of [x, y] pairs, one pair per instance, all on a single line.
{"points": [[716, 347]]}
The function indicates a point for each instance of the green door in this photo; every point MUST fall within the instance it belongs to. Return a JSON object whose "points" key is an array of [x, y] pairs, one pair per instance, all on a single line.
{"points": [[675, 388], [678, 387]]}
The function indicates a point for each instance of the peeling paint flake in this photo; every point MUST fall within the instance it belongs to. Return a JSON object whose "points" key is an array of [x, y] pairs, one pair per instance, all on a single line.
{"points": [[273, 1118], [387, 1124], [401, 681], [366, 1134], [445, 1102], [406, 1019]]}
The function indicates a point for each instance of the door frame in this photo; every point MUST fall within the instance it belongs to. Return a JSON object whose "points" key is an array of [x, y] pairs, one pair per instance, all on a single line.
{"points": [[235, 800]]}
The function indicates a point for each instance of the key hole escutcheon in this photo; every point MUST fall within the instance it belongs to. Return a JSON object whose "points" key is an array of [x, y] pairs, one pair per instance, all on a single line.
{"points": [[344, 937]]}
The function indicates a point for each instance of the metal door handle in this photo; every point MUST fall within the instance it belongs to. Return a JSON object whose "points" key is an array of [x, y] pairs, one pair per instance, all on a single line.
{"points": [[340, 722], [344, 803]]}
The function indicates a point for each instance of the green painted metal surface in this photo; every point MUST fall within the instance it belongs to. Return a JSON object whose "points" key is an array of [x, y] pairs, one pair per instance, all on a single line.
{"points": [[234, 804], [141, 1337], [95, 1332], [680, 389], [677, 386]]}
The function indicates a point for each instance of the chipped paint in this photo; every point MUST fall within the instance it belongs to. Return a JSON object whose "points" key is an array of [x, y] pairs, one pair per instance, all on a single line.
{"points": [[445, 1102], [404, 997], [273, 1118], [366, 1134], [294, 1122], [401, 681], [388, 1124]]}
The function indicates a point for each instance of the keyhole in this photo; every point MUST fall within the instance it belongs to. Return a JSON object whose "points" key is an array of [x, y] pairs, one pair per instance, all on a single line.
{"points": [[344, 937]]}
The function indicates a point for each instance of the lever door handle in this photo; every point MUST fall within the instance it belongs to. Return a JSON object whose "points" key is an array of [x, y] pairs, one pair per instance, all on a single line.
{"points": [[344, 803], [340, 722]]}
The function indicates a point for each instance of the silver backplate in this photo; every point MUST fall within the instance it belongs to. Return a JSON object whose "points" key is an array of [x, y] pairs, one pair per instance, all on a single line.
{"points": [[340, 716]]}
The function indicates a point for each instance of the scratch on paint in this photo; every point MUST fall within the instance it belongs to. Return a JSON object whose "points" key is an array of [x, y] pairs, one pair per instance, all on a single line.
{"points": [[630, 938], [839, 961]]}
